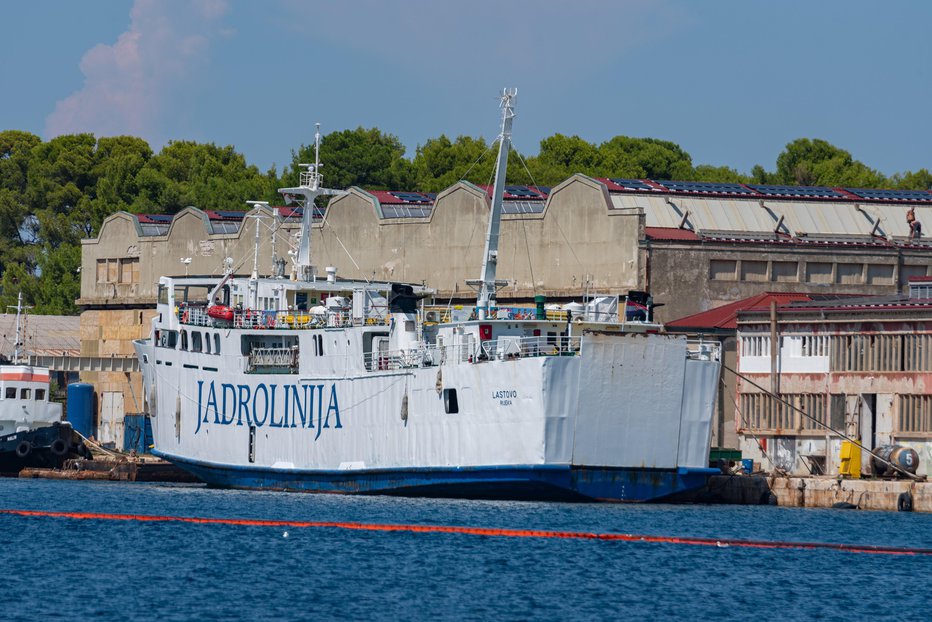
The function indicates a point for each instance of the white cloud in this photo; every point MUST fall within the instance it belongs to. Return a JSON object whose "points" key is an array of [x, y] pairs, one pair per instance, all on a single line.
{"points": [[127, 84]]}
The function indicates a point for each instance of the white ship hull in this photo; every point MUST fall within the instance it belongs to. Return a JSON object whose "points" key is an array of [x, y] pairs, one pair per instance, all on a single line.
{"points": [[627, 417]]}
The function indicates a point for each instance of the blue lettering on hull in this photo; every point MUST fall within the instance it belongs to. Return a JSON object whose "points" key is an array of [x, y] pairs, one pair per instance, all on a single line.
{"points": [[257, 406]]}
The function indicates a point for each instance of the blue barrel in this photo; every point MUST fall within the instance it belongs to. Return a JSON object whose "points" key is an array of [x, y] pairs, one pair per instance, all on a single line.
{"points": [[747, 465], [137, 433], [81, 407]]}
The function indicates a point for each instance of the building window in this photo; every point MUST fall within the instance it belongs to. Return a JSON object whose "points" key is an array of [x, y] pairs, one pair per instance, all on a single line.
{"points": [[914, 414], [849, 274], [723, 270], [753, 270], [799, 412], [784, 271], [818, 272], [917, 352], [129, 270], [118, 270], [909, 271], [813, 345], [755, 346], [879, 274], [878, 352]]}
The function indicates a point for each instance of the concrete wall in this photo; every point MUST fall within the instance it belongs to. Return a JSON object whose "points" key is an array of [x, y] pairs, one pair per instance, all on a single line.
{"points": [[111, 333], [577, 244], [685, 279]]}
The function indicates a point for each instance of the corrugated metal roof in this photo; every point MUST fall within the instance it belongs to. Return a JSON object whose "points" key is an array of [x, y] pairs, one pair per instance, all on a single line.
{"points": [[835, 221], [45, 334]]}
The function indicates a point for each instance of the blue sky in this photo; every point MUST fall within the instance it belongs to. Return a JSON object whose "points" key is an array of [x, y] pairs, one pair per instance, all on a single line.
{"points": [[731, 81]]}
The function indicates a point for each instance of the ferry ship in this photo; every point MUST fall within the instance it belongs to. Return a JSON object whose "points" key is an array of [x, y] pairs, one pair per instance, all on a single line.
{"points": [[343, 386], [32, 433]]}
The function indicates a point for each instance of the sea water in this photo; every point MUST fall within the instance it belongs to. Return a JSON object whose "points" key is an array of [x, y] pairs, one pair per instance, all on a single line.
{"points": [[70, 569]]}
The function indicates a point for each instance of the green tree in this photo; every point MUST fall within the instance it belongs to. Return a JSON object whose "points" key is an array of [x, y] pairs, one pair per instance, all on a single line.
{"points": [[206, 176], [719, 174], [811, 162], [919, 180], [118, 163], [15, 148], [658, 159], [362, 157], [439, 163]]}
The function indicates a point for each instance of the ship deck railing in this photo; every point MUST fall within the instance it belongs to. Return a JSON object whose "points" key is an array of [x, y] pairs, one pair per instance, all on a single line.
{"points": [[272, 360], [703, 350], [504, 349], [196, 315], [434, 314]]}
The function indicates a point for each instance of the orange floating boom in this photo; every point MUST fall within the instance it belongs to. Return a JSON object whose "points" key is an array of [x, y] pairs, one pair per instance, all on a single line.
{"points": [[484, 531]]}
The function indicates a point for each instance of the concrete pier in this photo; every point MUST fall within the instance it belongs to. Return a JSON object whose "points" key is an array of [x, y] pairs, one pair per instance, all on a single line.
{"points": [[818, 492]]}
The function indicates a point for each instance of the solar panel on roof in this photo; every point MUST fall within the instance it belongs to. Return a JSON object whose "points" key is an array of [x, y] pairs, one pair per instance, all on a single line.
{"points": [[796, 191], [631, 184], [523, 207], [153, 229], [160, 217], [704, 187], [224, 227], [522, 191], [544, 189], [231, 214], [405, 211], [891, 195], [411, 197]]}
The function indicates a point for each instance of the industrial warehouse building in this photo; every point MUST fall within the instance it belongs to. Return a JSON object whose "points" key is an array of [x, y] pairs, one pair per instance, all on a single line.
{"points": [[859, 365], [694, 246]]}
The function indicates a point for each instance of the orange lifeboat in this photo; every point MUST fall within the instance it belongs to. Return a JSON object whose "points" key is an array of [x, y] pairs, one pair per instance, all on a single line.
{"points": [[220, 312]]}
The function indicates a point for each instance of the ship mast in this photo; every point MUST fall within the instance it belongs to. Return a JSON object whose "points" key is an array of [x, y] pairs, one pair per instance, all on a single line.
{"points": [[487, 283], [309, 187], [20, 328]]}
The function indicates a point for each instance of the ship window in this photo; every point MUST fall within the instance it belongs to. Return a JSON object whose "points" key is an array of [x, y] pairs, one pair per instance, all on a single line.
{"points": [[40, 394], [207, 343], [196, 342], [450, 403], [216, 343], [184, 340], [10, 393], [25, 394]]}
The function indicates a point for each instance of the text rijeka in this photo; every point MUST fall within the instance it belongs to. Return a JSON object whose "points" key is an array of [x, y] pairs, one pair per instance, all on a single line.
{"points": [[277, 406]]}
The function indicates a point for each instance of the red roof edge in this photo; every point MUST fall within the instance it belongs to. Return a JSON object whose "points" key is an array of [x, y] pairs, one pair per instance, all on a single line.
{"points": [[725, 317]]}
